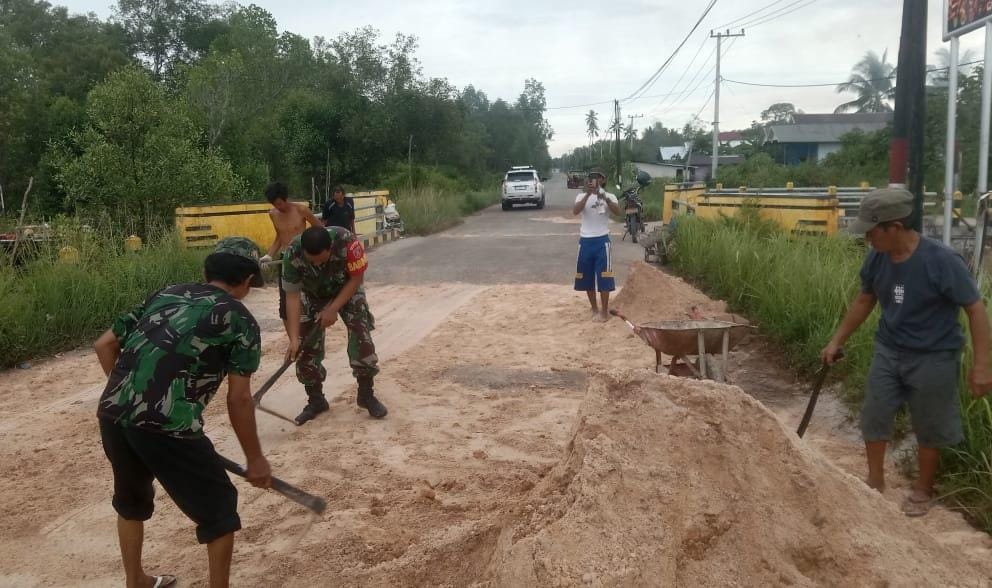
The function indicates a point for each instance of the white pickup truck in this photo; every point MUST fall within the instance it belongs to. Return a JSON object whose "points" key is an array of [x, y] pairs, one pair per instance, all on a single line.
{"points": [[522, 185]]}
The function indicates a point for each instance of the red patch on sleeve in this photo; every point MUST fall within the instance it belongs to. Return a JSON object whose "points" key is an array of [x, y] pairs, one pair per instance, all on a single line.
{"points": [[356, 259]]}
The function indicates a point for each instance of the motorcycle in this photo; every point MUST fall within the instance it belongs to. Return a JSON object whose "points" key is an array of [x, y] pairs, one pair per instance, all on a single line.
{"points": [[391, 218], [633, 206]]}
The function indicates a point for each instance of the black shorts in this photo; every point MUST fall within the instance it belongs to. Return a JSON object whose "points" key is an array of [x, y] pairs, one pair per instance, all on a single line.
{"points": [[282, 296], [188, 469]]}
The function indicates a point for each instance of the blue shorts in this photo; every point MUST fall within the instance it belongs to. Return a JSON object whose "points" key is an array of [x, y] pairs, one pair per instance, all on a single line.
{"points": [[594, 270]]}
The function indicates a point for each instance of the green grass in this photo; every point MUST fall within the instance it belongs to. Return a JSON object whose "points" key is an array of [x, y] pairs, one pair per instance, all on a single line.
{"points": [[797, 290], [47, 306], [429, 210]]}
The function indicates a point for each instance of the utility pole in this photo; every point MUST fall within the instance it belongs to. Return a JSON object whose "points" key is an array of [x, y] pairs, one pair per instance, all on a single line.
{"points": [[716, 96], [630, 127], [908, 121], [616, 108]]}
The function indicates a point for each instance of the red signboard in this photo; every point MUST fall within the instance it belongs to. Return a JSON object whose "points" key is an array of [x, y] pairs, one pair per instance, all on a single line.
{"points": [[964, 16]]}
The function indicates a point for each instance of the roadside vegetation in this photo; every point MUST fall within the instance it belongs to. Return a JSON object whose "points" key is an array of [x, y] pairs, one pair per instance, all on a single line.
{"points": [[189, 103], [48, 305], [120, 121], [796, 289], [429, 210]]}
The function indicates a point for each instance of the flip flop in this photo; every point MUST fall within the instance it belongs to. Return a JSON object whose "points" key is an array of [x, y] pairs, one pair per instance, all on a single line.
{"points": [[912, 507], [164, 581]]}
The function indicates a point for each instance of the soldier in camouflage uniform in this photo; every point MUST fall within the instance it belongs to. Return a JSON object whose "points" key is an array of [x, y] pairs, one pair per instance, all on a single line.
{"points": [[322, 273], [165, 361]]}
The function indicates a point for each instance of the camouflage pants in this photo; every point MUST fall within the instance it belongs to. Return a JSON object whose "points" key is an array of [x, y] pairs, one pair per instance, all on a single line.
{"points": [[361, 350]]}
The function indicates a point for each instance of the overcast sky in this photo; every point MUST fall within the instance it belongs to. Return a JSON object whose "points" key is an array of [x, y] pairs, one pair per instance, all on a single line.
{"points": [[587, 51]]}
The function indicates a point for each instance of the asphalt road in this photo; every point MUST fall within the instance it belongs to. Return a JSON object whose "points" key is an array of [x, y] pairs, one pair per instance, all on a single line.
{"points": [[519, 246]]}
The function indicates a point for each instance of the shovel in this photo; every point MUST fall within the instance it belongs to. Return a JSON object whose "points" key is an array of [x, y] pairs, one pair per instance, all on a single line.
{"points": [[257, 396], [821, 376]]}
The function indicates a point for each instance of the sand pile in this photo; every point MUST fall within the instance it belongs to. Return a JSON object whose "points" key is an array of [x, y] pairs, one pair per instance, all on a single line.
{"points": [[651, 295], [674, 482]]}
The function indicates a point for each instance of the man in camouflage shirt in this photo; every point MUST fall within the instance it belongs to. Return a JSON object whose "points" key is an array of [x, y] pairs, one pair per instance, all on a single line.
{"points": [[322, 273], [165, 361]]}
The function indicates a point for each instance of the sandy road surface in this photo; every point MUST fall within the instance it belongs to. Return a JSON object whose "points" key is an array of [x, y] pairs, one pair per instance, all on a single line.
{"points": [[511, 424]]}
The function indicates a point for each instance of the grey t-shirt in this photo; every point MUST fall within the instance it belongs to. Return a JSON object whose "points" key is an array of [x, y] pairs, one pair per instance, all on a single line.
{"points": [[921, 297]]}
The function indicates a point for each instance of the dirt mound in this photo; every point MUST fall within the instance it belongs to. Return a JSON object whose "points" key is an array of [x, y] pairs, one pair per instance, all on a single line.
{"points": [[651, 295], [672, 482]]}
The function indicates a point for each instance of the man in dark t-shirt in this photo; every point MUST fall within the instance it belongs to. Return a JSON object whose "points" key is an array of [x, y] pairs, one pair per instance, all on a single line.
{"points": [[165, 360], [921, 286], [339, 211]]}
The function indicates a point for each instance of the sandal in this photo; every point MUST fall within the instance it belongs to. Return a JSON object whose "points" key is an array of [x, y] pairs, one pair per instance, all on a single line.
{"points": [[164, 581], [913, 507]]}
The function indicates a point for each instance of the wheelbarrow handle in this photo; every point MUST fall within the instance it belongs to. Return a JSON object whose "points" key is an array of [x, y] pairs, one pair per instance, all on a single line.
{"points": [[620, 315]]}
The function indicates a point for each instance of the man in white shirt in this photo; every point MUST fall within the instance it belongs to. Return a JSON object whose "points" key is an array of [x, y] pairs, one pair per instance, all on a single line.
{"points": [[594, 269]]}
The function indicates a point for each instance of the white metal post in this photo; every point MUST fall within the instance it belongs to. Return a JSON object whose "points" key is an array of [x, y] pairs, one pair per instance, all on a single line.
{"points": [[952, 109], [716, 111], [983, 146]]}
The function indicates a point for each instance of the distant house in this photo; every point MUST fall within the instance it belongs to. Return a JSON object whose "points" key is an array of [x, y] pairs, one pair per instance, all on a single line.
{"points": [[675, 170], [731, 139], [811, 137], [673, 153], [699, 168], [704, 165]]}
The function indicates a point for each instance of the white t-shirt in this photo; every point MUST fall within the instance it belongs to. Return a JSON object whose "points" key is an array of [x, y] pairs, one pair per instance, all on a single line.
{"points": [[596, 215]]}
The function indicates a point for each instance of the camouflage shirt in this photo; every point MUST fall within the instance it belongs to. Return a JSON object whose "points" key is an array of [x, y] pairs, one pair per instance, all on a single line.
{"points": [[176, 348], [323, 282]]}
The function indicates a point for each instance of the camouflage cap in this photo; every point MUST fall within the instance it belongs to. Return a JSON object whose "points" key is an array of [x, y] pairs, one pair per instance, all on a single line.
{"points": [[245, 248], [596, 171], [883, 205]]}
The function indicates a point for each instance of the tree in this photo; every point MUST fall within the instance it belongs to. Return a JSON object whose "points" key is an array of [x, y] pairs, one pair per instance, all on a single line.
{"points": [[138, 157], [629, 133], [592, 125], [49, 61], [872, 80], [159, 30], [939, 73], [780, 112]]}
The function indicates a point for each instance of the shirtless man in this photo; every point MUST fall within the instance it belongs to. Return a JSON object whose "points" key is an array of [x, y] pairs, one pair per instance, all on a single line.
{"points": [[289, 220]]}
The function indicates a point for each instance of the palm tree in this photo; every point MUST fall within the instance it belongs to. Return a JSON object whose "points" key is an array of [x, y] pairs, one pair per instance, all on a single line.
{"points": [[629, 134], [940, 72], [872, 80], [592, 126]]}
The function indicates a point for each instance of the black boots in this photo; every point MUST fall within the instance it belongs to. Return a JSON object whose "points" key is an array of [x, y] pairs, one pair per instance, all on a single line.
{"points": [[318, 404], [315, 405], [367, 399]]}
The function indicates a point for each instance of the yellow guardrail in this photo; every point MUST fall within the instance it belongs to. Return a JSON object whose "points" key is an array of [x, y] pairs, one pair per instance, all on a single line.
{"points": [[679, 192], [804, 213], [203, 226]]}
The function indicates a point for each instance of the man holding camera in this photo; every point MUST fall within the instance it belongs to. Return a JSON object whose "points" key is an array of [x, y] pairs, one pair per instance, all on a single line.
{"points": [[594, 268]]}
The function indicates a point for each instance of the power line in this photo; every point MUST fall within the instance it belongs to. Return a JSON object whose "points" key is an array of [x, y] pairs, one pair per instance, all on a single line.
{"points": [[644, 97], [825, 85], [654, 77], [705, 104], [702, 80], [687, 68], [778, 15], [685, 92], [744, 18]]}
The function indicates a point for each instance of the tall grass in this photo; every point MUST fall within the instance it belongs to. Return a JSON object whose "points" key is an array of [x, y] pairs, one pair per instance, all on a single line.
{"points": [[429, 210], [47, 306], [797, 290]]}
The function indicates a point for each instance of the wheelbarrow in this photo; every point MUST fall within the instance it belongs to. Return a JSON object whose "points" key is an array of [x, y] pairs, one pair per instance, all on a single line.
{"points": [[681, 338]]}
